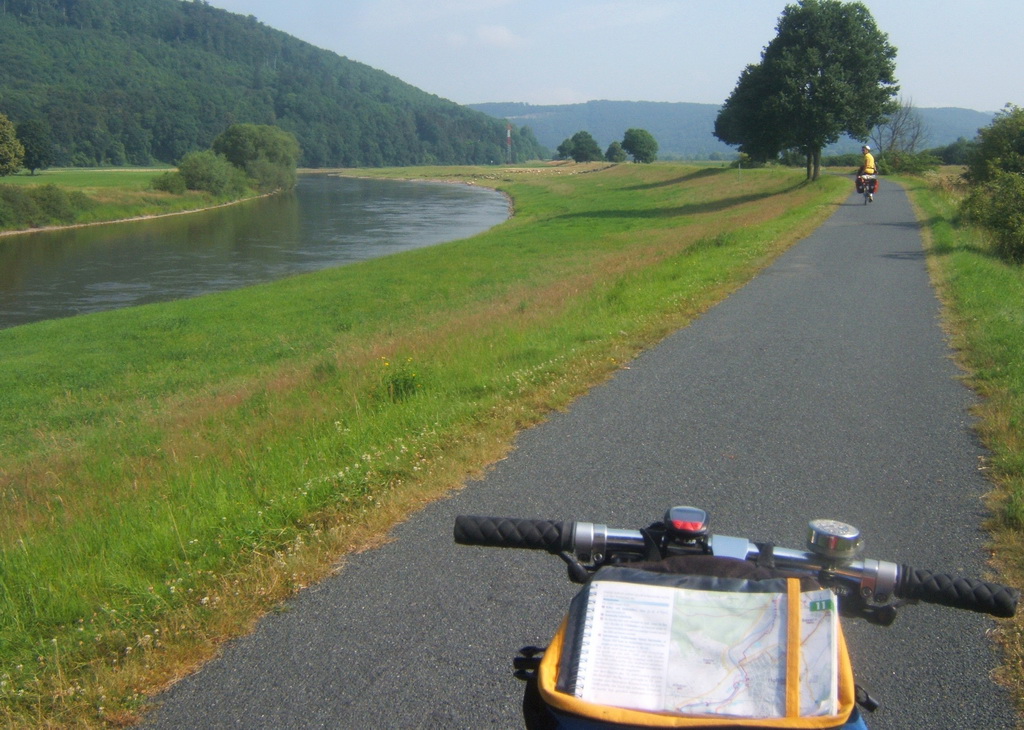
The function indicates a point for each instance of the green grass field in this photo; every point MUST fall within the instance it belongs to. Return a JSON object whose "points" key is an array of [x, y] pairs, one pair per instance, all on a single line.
{"points": [[114, 193], [89, 178], [169, 472]]}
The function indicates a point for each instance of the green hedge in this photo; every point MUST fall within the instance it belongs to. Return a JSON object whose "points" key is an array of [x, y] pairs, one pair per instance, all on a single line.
{"points": [[38, 206]]}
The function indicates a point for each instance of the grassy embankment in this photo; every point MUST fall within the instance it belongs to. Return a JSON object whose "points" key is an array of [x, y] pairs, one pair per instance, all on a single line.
{"points": [[109, 194], [983, 299], [168, 472]]}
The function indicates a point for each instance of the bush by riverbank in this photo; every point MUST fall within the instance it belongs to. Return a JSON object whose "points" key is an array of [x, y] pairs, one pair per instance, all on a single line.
{"points": [[39, 206], [86, 196], [168, 472]]}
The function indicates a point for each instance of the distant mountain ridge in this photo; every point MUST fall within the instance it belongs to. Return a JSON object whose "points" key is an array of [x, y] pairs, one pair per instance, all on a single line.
{"points": [[686, 130]]}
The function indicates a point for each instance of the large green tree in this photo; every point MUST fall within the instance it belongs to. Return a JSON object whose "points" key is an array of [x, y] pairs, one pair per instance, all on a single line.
{"points": [[615, 153], [267, 154], [12, 153], [995, 172], [35, 137], [641, 145], [206, 170], [581, 147], [1000, 147], [829, 71]]}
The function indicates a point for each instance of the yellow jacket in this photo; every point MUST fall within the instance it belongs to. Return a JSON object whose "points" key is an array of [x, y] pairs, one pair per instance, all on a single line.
{"points": [[868, 168]]}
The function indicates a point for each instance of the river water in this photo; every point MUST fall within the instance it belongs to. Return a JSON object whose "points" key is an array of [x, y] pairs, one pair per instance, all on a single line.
{"points": [[327, 221]]}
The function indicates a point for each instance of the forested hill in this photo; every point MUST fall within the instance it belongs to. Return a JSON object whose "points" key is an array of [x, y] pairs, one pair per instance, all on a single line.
{"points": [[686, 130], [133, 81]]}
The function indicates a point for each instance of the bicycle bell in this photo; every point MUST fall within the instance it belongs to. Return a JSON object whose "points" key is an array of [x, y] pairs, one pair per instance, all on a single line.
{"points": [[833, 540]]}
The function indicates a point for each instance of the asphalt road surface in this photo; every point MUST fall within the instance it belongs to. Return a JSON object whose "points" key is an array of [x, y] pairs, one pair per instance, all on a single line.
{"points": [[824, 388]]}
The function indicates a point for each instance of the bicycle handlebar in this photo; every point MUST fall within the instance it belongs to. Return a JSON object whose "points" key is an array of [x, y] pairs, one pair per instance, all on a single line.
{"points": [[870, 579], [957, 592], [513, 532]]}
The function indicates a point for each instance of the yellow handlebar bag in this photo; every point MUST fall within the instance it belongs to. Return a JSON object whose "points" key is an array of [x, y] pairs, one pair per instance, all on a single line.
{"points": [[667, 649]]}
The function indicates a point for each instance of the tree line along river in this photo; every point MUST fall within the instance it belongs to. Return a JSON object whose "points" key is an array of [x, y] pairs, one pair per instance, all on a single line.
{"points": [[326, 221]]}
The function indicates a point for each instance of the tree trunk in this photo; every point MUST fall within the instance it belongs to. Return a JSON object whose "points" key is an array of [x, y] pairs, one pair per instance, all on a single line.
{"points": [[816, 155]]}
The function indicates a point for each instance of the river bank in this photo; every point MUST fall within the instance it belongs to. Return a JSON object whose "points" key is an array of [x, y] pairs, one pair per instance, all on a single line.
{"points": [[123, 195], [131, 219], [91, 181], [80, 197]]}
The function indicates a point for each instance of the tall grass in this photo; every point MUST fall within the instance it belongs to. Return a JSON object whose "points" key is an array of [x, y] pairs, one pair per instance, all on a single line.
{"points": [[985, 309], [169, 471], [983, 296]]}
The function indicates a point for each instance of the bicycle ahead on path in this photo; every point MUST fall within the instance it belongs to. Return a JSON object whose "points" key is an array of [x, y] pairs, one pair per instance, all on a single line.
{"points": [[867, 185], [678, 627]]}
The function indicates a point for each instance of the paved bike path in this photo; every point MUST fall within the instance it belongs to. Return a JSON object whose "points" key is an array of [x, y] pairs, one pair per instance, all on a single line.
{"points": [[824, 387]]}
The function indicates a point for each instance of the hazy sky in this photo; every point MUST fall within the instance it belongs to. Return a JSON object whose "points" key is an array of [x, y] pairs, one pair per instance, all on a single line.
{"points": [[960, 53]]}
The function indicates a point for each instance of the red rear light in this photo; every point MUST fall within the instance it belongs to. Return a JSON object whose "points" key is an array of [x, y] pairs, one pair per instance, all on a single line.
{"points": [[686, 523]]}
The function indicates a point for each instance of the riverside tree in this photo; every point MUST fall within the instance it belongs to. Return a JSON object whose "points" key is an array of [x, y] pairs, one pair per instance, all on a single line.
{"points": [[12, 153], [206, 170], [830, 71], [34, 136], [244, 155], [268, 155]]}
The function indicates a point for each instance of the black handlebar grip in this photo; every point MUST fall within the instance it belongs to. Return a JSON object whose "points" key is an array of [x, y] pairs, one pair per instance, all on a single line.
{"points": [[970, 594], [513, 533]]}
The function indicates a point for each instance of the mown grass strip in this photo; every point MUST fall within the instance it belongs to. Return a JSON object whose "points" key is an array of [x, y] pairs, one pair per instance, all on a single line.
{"points": [[983, 299], [168, 472]]}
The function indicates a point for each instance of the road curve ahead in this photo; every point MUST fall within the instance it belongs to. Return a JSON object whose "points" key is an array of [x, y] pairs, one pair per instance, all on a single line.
{"points": [[824, 388]]}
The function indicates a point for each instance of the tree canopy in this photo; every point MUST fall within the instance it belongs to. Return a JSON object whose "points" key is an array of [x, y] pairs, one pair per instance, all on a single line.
{"points": [[34, 136], [267, 154], [11, 150], [829, 71], [641, 145], [1000, 147], [581, 147], [995, 173], [615, 153], [206, 170]]}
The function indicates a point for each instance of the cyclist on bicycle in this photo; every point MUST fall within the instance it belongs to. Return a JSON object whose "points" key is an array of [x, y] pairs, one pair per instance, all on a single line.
{"points": [[868, 168]]}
